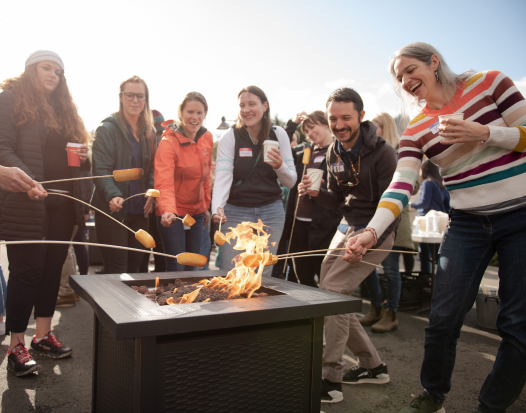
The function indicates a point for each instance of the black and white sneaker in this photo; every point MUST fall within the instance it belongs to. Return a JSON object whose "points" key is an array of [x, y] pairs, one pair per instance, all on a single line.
{"points": [[331, 392], [50, 347], [19, 361], [358, 375]]}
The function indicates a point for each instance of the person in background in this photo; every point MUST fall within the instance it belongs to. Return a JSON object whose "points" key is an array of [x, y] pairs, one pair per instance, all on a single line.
{"points": [[38, 118], [247, 187], [160, 262], [361, 165], [124, 140], [433, 196], [482, 162], [182, 175], [314, 226], [385, 320]]}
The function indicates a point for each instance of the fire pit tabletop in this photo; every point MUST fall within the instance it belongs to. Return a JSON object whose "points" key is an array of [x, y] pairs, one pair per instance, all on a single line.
{"points": [[128, 314]]}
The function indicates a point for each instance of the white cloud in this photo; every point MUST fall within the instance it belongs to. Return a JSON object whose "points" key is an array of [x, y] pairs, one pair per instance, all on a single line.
{"points": [[335, 84], [521, 85]]}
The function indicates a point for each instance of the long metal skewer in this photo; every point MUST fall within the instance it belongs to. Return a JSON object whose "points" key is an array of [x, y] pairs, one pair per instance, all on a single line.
{"points": [[342, 249]]}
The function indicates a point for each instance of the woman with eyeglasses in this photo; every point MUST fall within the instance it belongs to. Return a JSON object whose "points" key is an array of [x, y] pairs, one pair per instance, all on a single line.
{"points": [[38, 118], [482, 160], [246, 187], [182, 175], [124, 140]]}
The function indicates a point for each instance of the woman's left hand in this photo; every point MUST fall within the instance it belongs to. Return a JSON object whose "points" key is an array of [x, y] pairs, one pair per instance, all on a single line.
{"points": [[148, 206], [275, 158], [462, 131], [83, 153]]}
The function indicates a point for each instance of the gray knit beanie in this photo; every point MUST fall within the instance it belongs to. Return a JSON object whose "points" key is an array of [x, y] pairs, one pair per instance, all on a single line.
{"points": [[42, 55]]}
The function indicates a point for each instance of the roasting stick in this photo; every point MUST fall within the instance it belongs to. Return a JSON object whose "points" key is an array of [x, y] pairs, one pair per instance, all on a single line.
{"points": [[324, 255], [152, 193], [185, 258], [120, 175], [142, 236], [253, 261], [343, 249], [304, 161]]}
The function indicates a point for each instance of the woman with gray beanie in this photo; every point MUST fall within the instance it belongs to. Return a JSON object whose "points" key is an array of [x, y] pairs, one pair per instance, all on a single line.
{"points": [[38, 118]]}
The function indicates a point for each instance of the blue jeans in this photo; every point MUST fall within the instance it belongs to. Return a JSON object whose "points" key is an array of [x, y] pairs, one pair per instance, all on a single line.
{"points": [[3, 288], [206, 245], [468, 246], [391, 266], [177, 240], [272, 215]]}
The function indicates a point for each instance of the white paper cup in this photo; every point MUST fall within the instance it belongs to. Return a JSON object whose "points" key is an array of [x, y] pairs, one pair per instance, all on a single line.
{"points": [[456, 116], [73, 153], [266, 146], [315, 176]]}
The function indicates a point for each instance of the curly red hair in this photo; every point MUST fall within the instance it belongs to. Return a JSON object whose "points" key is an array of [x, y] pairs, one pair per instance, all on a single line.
{"points": [[32, 106]]}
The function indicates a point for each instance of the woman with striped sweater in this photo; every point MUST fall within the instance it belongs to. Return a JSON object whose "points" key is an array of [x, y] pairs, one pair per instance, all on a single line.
{"points": [[482, 160]]}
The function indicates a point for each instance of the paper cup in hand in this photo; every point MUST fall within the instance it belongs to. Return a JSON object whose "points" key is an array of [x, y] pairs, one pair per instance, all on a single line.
{"points": [[315, 176], [73, 153], [266, 146]]}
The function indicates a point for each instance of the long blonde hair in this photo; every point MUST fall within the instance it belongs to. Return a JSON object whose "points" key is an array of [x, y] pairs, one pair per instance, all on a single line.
{"points": [[146, 117], [389, 129]]}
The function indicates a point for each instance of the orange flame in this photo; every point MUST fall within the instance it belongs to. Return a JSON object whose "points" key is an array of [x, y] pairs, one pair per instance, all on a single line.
{"points": [[242, 280], [156, 282]]}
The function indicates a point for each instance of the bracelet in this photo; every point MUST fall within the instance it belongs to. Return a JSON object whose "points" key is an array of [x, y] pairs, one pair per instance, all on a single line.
{"points": [[372, 231]]}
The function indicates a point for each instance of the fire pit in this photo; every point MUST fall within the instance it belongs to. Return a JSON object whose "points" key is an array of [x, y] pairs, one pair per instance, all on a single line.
{"points": [[259, 354]]}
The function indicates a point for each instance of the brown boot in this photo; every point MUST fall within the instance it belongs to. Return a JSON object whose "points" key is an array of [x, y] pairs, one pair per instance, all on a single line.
{"points": [[66, 301], [388, 323], [374, 315]]}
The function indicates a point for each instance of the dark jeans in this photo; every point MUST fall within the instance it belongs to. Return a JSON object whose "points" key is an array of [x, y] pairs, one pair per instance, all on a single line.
{"points": [[426, 256], [34, 272], [468, 246], [177, 240], [109, 232]]}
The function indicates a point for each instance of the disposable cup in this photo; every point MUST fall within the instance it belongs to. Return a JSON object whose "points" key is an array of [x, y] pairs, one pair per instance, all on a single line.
{"points": [[456, 116], [266, 146], [74, 153], [315, 176]]}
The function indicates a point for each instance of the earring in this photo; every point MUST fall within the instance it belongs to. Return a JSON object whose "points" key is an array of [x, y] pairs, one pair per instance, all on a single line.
{"points": [[436, 75]]}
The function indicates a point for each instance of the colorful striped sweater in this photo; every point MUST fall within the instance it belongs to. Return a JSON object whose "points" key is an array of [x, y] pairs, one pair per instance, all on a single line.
{"points": [[481, 178]]}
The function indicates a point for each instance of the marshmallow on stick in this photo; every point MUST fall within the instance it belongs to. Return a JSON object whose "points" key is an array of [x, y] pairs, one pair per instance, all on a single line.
{"points": [[120, 176]]}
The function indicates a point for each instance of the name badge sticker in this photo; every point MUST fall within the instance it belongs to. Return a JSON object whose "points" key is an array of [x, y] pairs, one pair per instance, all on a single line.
{"points": [[434, 127], [335, 167], [245, 152], [319, 159]]}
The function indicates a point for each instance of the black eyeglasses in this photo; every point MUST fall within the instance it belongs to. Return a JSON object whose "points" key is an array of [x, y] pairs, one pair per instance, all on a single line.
{"points": [[131, 96], [348, 174]]}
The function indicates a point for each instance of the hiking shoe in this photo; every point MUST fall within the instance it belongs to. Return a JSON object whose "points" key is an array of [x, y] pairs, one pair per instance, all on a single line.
{"points": [[373, 316], [359, 375], [331, 392], [19, 361], [423, 404], [50, 347], [388, 323], [66, 301]]}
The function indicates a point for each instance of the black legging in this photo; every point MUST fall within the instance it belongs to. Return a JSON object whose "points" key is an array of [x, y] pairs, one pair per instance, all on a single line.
{"points": [[34, 272], [81, 252]]}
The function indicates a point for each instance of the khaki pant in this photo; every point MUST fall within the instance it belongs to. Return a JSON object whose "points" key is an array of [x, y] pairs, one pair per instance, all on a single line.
{"points": [[344, 329], [69, 268]]}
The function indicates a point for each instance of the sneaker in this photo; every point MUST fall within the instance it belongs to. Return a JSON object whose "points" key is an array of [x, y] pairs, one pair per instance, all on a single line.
{"points": [[66, 301], [19, 361], [331, 392], [423, 404], [359, 375], [50, 347]]}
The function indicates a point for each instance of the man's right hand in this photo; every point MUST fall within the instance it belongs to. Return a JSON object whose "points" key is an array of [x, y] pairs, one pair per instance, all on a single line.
{"points": [[304, 187], [116, 204], [16, 180], [219, 217]]}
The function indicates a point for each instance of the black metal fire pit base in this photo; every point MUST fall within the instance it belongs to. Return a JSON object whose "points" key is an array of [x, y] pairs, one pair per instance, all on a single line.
{"points": [[248, 355]]}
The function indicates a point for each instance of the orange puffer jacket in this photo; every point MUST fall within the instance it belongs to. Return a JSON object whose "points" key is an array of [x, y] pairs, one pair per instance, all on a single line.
{"points": [[182, 171]]}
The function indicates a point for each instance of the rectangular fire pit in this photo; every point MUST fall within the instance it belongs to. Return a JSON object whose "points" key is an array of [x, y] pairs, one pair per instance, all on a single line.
{"points": [[246, 355]]}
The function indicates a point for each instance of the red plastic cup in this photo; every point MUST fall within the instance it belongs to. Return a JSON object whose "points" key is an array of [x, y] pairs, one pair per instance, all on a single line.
{"points": [[73, 153]]}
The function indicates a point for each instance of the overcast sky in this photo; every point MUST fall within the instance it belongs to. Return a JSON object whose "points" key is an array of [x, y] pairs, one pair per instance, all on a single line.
{"points": [[298, 52]]}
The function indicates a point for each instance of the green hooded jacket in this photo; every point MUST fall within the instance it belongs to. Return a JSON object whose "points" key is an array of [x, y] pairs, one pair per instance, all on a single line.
{"points": [[112, 151]]}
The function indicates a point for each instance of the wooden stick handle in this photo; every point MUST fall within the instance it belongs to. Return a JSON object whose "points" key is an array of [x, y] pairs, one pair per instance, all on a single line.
{"points": [[324, 255], [343, 249], [144, 193], [88, 244], [75, 179], [91, 206]]}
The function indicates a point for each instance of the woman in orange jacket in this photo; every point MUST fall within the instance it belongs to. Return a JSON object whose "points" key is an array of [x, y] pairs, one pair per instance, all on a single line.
{"points": [[182, 176]]}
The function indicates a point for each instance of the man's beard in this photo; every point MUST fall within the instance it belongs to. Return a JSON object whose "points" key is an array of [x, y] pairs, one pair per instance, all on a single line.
{"points": [[351, 138]]}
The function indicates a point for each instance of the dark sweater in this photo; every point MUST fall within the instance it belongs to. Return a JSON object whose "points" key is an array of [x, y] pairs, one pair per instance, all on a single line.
{"points": [[431, 197]]}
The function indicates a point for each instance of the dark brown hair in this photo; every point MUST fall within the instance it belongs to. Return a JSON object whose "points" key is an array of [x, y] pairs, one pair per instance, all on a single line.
{"points": [[191, 96], [265, 121], [31, 105], [431, 171], [315, 118], [146, 117]]}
